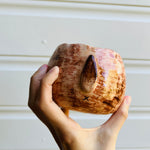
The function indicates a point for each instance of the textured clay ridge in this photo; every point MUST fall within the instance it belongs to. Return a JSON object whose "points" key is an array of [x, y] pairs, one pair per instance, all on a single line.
{"points": [[91, 80]]}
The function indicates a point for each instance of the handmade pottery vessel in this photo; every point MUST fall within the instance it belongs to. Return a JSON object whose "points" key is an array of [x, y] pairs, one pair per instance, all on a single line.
{"points": [[91, 79]]}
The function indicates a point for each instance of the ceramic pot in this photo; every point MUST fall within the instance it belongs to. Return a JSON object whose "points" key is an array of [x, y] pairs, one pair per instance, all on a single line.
{"points": [[91, 79]]}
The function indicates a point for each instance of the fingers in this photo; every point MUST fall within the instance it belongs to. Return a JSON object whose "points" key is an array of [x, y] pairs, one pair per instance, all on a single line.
{"points": [[117, 120], [39, 74], [35, 82], [44, 107]]}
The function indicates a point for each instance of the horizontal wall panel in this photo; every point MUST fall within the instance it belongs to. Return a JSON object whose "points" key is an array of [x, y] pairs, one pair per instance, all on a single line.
{"points": [[102, 2], [30, 133], [15, 73], [40, 36], [14, 87], [37, 30], [139, 88], [24, 134], [114, 2]]}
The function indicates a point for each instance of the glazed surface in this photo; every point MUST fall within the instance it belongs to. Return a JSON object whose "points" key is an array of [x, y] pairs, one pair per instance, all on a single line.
{"points": [[91, 80]]}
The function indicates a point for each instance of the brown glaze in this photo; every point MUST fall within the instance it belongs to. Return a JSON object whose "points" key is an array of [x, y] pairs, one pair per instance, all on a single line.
{"points": [[91, 80]]}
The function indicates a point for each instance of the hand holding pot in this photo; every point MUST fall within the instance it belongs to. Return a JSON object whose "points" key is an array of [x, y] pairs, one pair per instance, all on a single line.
{"points": [[67, 133]]}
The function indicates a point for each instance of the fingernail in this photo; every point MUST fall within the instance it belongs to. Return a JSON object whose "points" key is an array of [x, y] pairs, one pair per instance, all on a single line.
{"points": [[43, 67], [128, 100]]}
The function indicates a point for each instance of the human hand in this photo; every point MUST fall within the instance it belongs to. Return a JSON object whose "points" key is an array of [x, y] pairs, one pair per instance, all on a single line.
{"points": [[67, 133]]}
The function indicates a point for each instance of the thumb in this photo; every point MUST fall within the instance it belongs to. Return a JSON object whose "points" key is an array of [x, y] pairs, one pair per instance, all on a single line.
{"points": [[47, 81], [53, 114], [117, 120]]}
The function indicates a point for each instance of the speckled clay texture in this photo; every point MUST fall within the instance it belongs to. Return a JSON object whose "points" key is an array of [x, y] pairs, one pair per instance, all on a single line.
{"points": [[91, 80]]}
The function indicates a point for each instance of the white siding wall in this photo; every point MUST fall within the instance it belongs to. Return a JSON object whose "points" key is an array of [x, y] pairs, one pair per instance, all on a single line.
{"points": [[29, 33]]}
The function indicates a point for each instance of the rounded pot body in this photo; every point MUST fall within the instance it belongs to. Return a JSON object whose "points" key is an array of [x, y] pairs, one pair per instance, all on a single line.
{"points": [[91, 80]]}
